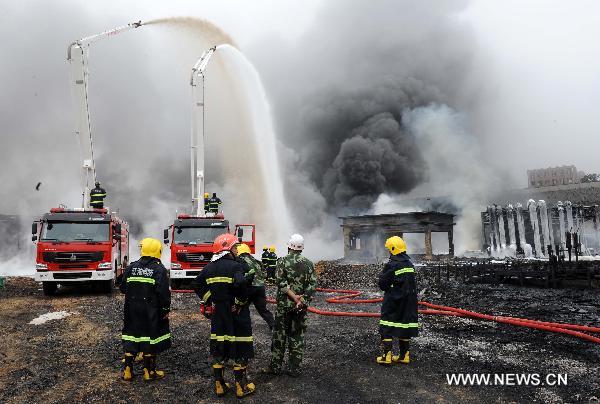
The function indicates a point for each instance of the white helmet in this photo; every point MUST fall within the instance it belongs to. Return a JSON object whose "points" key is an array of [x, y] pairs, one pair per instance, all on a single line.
{"points": [[296, 242]]}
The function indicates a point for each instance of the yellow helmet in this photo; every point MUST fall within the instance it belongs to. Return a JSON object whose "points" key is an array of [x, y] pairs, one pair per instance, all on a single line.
{"points": [[151, 247], [243, 249], [265, 248], [206, 194], [272, 248], [395, 245]]}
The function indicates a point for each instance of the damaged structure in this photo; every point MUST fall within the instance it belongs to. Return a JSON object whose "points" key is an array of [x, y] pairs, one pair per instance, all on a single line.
{"points": [[538, 230], [364, 236]]}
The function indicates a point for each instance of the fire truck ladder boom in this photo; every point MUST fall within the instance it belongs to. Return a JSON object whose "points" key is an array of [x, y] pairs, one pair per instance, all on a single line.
{"points": [[77, 55], [197, 138]]}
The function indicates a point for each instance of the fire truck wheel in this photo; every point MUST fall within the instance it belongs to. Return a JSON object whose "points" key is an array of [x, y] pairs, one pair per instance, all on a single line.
{"points": [[49, 288], [176, 284], [107, 286]]}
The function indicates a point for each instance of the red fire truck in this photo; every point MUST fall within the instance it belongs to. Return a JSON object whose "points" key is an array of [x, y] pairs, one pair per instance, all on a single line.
{"points": [[192, 236], [80, 246], [191, 240], [85, 244]]}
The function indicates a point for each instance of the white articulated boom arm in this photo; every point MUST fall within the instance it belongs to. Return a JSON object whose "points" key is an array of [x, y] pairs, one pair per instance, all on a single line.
{"points": [[77, 55], [197, 144]]}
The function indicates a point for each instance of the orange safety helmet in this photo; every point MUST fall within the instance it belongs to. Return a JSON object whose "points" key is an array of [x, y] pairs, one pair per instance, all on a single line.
{"points": [[224, 243]]}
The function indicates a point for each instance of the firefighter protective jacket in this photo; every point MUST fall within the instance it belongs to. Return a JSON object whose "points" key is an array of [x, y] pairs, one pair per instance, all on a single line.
{"points": [[223, 284], [272, 261], [399, 308], [213, 204], [97, 196], [147, 302]]}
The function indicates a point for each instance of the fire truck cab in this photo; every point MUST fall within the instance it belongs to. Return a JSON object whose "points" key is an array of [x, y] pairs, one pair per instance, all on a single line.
{"points": [[80, 246], [191, 240]]}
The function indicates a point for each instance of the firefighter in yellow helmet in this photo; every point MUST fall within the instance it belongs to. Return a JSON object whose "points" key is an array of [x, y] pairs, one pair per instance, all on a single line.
{"points": [[271, 263], [146, 310], [206, 202], [264, 258], [256, 278], [399, 317]]}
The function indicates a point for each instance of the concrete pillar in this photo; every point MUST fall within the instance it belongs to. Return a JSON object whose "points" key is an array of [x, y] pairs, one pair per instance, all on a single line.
{"points": [[346, 231], [428, 247], [451, 242]]}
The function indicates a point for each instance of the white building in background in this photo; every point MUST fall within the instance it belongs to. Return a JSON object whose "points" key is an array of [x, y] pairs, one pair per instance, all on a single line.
{"points": [[547, 177]]}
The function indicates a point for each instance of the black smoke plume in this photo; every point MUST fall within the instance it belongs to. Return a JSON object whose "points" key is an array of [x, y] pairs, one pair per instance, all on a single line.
{"points": [[357, 73]]}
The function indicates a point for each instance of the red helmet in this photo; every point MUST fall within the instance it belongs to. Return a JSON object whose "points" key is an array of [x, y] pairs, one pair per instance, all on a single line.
{"points": [[224, 243]]}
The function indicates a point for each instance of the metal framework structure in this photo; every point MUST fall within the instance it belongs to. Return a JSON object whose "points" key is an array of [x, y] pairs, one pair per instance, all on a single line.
{"points": [[78, 55], [197, 132]]}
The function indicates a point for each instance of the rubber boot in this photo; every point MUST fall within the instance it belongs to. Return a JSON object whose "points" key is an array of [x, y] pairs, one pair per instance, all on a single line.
{"points": [[128, 367], [138, 357], [386, 357], [242, 387], [150, 372], [404, 356], [221, 388]]}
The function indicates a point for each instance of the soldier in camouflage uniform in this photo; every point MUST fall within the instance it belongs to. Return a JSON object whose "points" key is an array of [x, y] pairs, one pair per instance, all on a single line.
{"points": [[254, 273], [296, 282]]}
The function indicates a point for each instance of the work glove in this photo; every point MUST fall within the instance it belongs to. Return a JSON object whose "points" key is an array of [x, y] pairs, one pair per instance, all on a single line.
{"points": [[206, 310], [238, 305]]}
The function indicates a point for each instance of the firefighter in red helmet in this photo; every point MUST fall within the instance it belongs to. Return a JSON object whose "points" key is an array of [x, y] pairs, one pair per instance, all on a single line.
{"points": [[222, 285]]}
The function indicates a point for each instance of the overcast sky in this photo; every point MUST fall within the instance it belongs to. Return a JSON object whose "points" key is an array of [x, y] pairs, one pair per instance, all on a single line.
{"points": [[545, 58], [542, 58]]}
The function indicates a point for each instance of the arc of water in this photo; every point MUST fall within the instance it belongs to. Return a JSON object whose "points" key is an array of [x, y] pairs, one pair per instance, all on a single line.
{"points": [[263, 127]]}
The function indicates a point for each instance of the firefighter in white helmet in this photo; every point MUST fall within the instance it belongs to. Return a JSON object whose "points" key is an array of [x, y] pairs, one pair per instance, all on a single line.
{"points": [[296, 282]]}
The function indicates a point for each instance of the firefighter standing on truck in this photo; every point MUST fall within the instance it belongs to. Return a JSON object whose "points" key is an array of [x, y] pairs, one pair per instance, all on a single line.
{"points": [[146, 310], [222, 285], [256, 287], [213, 204], [296, 282], [399, 318], [206, 203], [97, 196]]}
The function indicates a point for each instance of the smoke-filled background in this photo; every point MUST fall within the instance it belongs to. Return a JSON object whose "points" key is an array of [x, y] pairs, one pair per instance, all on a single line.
{"points": [[373, 104]]}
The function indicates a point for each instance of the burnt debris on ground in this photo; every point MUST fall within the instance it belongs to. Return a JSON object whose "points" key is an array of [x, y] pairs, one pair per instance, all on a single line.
{"points": [[77, 358]]}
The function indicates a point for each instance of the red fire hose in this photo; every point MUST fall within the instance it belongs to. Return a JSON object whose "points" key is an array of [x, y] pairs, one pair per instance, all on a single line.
{"points": [[349, 297]]}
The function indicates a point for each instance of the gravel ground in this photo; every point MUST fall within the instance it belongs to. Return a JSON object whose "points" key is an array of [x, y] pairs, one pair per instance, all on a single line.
{"points": [[76, 358]]}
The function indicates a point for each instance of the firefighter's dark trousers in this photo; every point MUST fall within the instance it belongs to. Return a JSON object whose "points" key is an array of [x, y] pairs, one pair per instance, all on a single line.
{"points": [[258, 297]]}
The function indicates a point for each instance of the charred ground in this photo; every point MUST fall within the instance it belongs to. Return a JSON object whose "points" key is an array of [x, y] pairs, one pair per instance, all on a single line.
{"points": [[77, 358]]}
